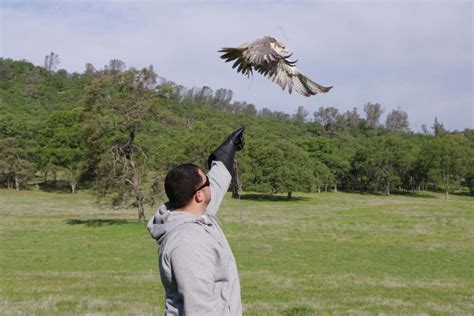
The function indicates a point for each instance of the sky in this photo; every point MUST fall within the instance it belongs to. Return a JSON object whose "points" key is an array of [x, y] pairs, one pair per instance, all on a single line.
{"points": [[408, 54]]}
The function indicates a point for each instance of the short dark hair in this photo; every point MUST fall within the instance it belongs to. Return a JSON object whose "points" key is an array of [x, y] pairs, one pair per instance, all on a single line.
{"points": [[181, 183]]}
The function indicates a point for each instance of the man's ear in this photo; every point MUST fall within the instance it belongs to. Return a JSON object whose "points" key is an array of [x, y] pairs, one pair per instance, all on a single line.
{"points": [[198, 197]]}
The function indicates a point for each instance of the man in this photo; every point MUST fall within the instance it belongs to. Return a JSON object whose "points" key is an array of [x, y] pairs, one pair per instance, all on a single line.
{"points": [[197, 267]]}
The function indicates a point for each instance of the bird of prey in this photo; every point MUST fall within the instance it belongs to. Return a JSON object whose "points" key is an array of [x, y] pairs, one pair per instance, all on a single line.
{"points": [[270, 58]]}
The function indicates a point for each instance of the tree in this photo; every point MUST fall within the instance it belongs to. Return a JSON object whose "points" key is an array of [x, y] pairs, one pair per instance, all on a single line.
{"points": [[397, 121], [168, 90], [51, 61], [300, 115], [265, 113], [469, 153], [90, 69], [348, 120], [60, 140], [17, 150], [203, 96], [373, 111], [326, 117], [323, 175], [447, 159], [329, 163], [249, 110], [222, 98], [16, 163], [424, 129], [116, 107], [277, 166], [149, 77], [115, 66], [438, 128], [381, 162]]}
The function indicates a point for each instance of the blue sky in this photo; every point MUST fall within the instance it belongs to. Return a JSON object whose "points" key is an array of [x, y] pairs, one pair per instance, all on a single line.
{"points": [[416, 55]]}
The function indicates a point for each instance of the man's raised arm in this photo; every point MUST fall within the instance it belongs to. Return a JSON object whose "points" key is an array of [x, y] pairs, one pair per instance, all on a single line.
{"points": [[221, 163]]}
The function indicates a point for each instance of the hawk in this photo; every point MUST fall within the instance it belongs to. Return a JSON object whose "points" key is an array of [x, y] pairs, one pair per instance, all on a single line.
{"points": [[270, 58]]}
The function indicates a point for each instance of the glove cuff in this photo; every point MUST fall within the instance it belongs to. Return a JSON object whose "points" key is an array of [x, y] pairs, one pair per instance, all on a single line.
{"points": [[224, 153]]}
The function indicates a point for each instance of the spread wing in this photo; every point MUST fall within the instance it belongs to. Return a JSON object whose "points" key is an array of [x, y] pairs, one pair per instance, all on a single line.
{"points": [[250, 55], [285, 74], [237, 54]]}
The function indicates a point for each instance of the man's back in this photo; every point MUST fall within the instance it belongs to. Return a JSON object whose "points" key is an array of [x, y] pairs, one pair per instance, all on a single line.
{"points": [[199, 271], [197, 267]]}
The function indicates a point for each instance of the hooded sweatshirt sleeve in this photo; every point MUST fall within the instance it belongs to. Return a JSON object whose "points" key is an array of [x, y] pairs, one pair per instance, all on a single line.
{"points": [[195, 278], [219, 178]]}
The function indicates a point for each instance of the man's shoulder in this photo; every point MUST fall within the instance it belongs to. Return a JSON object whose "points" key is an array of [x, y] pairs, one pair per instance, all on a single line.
{"points": [[189, 234]]}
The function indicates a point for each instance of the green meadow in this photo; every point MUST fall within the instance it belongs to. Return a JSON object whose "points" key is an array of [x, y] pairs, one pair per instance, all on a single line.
{"points": [[329, 253]]}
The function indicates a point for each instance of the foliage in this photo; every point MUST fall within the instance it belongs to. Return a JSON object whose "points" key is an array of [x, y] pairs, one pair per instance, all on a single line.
{"points": [[119, 131], [448, 159], [277, 166], [60, 138], [115, 108]]}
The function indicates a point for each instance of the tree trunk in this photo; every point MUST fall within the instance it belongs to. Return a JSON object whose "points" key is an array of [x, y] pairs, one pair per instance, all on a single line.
{"points": [[446, 185], [141, 209], [136, 176], [325, 188], [138, 198], [72, 175], [335, 187], [236, 182], [17, 183], [387, 189], [289, 195], [319, 188]]}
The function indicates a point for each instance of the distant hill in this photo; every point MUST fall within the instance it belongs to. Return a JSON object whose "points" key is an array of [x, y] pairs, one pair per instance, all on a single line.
{"points": [[57, 124]]}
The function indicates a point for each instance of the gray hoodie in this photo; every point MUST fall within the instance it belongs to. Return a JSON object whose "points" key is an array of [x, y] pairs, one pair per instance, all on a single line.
{"points": [[197, 267]]}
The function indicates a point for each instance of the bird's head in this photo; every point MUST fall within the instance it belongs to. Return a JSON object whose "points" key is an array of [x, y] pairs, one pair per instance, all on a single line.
{"points": [[278, 47]]}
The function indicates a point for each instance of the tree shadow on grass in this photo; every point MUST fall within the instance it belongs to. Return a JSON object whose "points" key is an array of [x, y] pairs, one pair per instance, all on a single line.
{"points": [[55, 186], [272, 198], [299, 311], [463, 193], [424, 195], [97, 222], [395, 193]]}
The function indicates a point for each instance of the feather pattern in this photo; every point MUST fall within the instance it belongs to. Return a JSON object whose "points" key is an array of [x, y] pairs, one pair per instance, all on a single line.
{"points": [[268, 57]]}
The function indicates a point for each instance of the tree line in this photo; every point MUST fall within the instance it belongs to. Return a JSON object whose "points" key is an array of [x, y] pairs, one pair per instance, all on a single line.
{"points": [[118, 130]]}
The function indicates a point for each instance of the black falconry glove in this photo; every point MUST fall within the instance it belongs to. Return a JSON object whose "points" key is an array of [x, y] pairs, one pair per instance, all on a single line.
{"points": [[226, 151]]}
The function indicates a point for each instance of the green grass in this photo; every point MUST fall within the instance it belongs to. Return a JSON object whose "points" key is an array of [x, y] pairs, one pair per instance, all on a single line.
{"points": [[332, 253]]}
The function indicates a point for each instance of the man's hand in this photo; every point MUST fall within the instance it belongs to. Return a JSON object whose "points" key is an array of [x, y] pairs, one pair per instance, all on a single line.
{"points": [[226, 151], [237, 138]]}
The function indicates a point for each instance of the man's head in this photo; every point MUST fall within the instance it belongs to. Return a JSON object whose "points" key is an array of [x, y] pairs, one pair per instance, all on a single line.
{"points": [[186, 184]]}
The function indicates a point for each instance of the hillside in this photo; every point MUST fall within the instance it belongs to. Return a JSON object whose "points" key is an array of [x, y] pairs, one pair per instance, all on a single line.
{"points": [[62, 126]]}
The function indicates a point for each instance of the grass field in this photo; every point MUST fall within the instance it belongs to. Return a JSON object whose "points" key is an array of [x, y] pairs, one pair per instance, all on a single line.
{"points": [[332, 253]]}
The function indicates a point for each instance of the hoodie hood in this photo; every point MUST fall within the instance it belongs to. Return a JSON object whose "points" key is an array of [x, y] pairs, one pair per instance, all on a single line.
{"points": [[166, 220]]}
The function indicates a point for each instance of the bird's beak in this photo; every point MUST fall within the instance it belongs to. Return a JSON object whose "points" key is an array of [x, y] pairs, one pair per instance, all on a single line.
{"points": [[283, 48]]}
